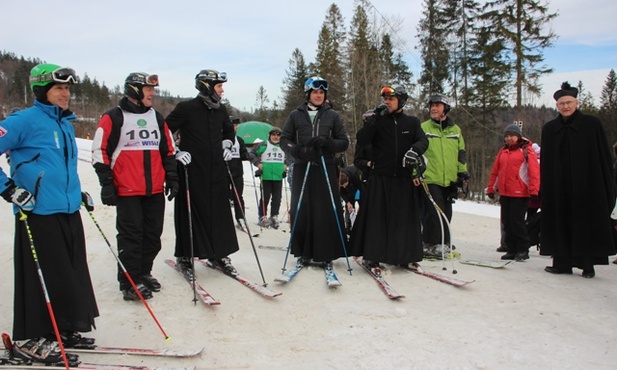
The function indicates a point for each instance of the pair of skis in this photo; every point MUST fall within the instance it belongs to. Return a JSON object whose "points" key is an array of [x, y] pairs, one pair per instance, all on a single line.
{"points": [[332, 280], [7, 360], [206, 297]]}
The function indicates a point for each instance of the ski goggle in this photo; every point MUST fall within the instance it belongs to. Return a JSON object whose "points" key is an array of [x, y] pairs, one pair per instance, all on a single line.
{"points": [[61, 75], [318, 85], [152, 80], [387, 91]]}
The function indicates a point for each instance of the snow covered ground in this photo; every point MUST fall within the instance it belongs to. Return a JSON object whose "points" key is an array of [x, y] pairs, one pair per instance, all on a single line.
{"points": [[517, 317]]}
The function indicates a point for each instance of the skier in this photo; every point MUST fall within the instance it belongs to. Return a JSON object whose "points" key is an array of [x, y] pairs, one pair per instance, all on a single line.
{"points": [[45, 186], [311, 132], [516, 175], [239, 153], [446, 169], [387, 228], [271, 169], [133, 155], [206, 141], [578, 189]]}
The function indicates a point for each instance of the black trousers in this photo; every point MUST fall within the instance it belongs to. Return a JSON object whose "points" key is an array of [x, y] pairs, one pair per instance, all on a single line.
{"points": [[270, 189], [139, 221], [238, 207], [513, 212], [431, 228]]}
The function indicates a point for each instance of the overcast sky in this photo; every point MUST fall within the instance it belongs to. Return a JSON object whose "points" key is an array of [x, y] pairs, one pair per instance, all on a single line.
{"points": [[253, 40]]}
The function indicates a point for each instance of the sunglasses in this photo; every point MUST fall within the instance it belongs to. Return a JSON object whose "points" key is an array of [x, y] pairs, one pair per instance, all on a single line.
{"points": [[62, 75], [319, 84], [387, 91]]}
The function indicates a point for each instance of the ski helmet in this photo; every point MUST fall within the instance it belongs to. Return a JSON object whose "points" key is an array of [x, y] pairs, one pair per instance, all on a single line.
{"points": [[275, 130], [135, 81], [206, 79], [44, 76], [400, 92], [315, 83], [439, 98], [234, 120]]}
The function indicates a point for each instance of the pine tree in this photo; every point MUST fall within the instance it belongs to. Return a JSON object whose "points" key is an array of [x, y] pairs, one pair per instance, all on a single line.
{"points": [[329, 63], [297, 74], [522, 23], [433, 34], [608, 106]]}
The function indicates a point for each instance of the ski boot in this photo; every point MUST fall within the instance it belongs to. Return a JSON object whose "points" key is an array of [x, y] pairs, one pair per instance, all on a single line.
{"points": [[186, 267], [263, 222], [72, 339], [129, 294], [373, 266], [225, 264], [274, 222], [151, 283], [43, 351]]}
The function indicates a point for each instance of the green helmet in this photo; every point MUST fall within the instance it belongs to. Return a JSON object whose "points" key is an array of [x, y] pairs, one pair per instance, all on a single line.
{"points": [[44, 74]]}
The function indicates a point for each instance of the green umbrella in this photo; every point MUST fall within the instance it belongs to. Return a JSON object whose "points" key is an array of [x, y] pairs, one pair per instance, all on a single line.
{"points": [[252, 130]]}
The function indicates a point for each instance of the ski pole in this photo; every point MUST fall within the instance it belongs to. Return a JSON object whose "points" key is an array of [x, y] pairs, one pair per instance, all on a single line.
{"points": [[442, 218], [338, 223], [293, 226], [256, 196], [264, 211], [286, 200], [23, 217], [248, 231], [128, 276], [188, 207]]}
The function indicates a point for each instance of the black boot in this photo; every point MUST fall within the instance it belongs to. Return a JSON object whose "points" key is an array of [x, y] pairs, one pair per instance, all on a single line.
{"points": [[151, 283]]}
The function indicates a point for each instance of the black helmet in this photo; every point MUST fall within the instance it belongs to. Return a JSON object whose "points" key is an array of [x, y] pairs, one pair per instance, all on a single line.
{"points": [[439, 98], [234, 120], [207, 78], [400, 92], [135, 81]]}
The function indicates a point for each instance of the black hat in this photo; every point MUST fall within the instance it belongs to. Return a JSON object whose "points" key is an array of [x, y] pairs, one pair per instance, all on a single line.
{"points": [[513, 130], [566, 90]]}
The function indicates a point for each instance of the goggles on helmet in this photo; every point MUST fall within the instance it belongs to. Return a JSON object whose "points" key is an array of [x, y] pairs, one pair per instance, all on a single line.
{"points": [[318, 84], [212, 75], [61, 75], [387, 91]]}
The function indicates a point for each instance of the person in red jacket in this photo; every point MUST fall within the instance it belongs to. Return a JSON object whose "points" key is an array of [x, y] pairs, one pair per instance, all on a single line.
{"points": [[133, 155], [516, 174]]}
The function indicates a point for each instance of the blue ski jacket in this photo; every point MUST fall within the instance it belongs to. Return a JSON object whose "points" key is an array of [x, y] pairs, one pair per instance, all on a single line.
{"points": [[44, 155]]}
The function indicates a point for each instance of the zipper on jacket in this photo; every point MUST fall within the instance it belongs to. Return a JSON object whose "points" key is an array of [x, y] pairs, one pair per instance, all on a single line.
{"points": [[395, 142]]}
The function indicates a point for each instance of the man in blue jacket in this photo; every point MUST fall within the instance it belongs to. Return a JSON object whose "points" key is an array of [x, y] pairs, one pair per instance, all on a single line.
{"points": [[44, 187]]}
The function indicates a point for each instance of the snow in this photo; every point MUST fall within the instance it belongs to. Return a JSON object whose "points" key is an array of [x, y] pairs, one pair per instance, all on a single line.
{"points": [[517, 317]]}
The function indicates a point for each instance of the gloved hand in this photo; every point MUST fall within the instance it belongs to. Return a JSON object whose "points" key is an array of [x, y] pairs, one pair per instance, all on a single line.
{"points": [[306, 153], [258, 173], [464, 176], [381, 110], [172, 185], [534, 197], [183, 157], [227, 144], [21, 197], [491, 196], [414, 163], [87, 201], [284, 174], [109, 197], [322, 143]]}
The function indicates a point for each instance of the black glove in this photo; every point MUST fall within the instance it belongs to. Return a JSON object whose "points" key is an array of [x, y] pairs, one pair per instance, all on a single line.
{"points": [[87, 201], [172, 185], [306, 153], [381, 110], [284, 174], [463, 176], [414, 163], [491, 195], [109, 197], [258, 173], [21, 197], [323, 143]]}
